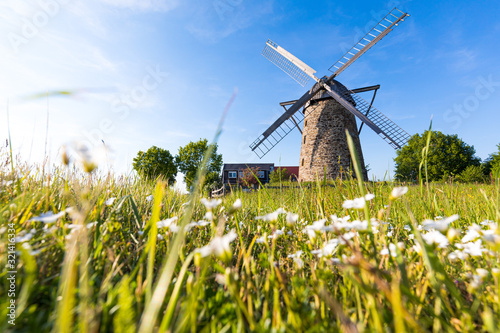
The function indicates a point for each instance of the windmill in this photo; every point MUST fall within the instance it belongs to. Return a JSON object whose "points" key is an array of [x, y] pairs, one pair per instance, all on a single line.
{"points": [[328, 108]]}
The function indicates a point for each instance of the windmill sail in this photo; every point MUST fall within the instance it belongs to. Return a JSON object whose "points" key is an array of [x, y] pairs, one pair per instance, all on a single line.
{"points": [[288, 63], [283, 125], [301, 73], [391, 133], [371, 38]]}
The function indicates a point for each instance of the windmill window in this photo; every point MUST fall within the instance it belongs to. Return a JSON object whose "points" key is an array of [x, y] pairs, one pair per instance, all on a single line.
{"points": [[305, 124], [304, 139], [231, 174], [302, 162]]}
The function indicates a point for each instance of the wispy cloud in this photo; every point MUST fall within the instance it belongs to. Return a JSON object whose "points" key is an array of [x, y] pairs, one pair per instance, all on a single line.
{"points": [[216, 20], [145, 5]]}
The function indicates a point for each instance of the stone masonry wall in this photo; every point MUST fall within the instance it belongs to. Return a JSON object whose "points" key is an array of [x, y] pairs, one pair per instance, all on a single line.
{"points": [[324, 142]]}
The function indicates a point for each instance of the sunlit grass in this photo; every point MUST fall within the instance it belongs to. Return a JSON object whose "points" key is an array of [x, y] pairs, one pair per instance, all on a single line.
{"points": [[131, 264]]}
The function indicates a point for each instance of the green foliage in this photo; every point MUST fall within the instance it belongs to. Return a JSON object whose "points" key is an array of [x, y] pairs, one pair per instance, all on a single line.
{"points": [[279, 175], [492, 162], [213, 181], [190, 157], [448, 155], [472, 174], [155, 162]]}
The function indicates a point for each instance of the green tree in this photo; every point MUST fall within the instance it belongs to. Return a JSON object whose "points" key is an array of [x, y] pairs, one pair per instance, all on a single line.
{"points": [[492, 162], [155, 162], [448, 156], [190, 157], [279, 175]]}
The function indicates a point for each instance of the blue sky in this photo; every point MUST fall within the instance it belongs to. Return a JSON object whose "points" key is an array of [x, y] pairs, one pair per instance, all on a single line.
{"points": [[159, 72]]}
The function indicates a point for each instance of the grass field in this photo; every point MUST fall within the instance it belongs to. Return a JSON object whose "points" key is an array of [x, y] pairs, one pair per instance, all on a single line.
{"points": [[124, 255]]}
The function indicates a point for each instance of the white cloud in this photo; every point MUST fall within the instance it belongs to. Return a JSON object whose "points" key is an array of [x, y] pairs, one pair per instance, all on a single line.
{"points": [[145, 5]]}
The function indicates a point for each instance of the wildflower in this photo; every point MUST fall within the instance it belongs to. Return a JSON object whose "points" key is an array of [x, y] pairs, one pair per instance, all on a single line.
{"points": [[495, 271], [210, 204], [482, 272], [472, 233], [48, 217], [357, 225], [474, 249], [271, 216], [296, 258], [369, 196], [261, 240], [358, 203], [326, 250], [476, 282], [24, 238], [346, 237], [237, 204], [166, 223], [407, 227], [149, 198], [457, 254], [174, 228], [291, 218], [193, 224], [491, 236], [277, 233], [411, 236], [336, 261], [219, 246], [435, 237], [91, 225], [452, 234], [30, 249], [296, 254], [390, 233], [73, 226], [398, 192], [487, 222], [110, 201], [384, 251], [440, 225], [417, 248], [209, 216], [316, 227]]}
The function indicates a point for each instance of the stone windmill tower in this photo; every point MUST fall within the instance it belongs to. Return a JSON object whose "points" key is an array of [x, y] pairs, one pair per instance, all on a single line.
{"points": [[328, 109]]}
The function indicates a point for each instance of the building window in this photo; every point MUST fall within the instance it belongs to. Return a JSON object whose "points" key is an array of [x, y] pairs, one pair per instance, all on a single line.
{"points": [[231, 174], [240, 174], [304, 139], [261, 174]]}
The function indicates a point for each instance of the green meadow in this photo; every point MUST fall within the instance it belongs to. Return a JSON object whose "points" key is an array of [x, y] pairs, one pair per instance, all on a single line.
{"points": [[116, 254]]}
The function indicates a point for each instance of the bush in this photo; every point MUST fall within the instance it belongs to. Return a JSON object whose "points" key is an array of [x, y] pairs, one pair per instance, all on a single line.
{"points": [[279, 175], [471, 174]]}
